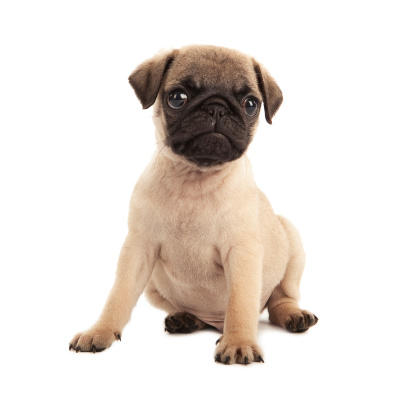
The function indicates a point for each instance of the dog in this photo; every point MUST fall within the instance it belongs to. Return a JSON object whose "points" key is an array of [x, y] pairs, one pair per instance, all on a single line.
{"points": [[203, 240]]}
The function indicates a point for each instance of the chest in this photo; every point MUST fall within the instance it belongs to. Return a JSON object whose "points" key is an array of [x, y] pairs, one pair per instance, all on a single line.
{"points": [[190, 235]]}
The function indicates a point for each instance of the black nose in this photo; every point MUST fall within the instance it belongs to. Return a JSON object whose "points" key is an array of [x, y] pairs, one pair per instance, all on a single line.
{"points": [[216, 111]]}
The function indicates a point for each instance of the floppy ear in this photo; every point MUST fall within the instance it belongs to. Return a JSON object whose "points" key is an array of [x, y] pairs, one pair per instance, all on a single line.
{"points": [[272, 95], [146, 78]]}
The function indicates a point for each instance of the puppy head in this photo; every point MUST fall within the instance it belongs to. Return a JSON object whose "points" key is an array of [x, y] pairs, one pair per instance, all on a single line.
{"points": [[209, 100]]}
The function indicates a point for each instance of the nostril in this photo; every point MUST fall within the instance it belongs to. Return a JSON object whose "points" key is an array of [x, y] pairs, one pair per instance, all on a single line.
{"points": [[216, 111]]}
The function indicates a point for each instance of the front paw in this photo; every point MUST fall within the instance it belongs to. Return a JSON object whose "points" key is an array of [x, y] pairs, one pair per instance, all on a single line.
{"points": [[232, 350], [94, 340]]}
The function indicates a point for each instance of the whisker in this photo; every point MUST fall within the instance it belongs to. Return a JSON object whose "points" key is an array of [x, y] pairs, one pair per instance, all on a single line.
{"points": [[159, 152]]}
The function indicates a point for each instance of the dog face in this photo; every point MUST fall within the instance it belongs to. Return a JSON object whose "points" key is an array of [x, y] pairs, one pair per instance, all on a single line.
{"points": [[209, 100]]}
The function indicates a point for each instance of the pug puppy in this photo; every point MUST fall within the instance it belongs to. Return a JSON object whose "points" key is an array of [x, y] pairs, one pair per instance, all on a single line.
{"points": [[203, 241]]}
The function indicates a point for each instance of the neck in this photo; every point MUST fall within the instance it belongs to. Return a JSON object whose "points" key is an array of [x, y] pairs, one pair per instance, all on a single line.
{"points": [[179, 177]]}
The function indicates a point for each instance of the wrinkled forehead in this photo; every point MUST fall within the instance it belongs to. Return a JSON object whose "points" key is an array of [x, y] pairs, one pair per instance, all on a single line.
{"points": [[216, 68]]}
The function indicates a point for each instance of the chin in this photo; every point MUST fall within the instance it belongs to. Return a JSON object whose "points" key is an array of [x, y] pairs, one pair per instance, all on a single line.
{"points": [[206, 164]]}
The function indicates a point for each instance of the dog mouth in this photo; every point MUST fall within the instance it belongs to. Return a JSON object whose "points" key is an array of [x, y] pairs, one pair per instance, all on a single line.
{"points": [[206, 149]]}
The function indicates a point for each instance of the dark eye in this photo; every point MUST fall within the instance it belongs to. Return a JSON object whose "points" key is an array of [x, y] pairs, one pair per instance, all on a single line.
{"points": [[251, 106], [177, 99]]}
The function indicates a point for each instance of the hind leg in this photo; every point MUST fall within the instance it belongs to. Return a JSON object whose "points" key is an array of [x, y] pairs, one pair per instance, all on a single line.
{"points": [[285, 312], [182, 322], [156, 299], [176, 321], [283, 302]]}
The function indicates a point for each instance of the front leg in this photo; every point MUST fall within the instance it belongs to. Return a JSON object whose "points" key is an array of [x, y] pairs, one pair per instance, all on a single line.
{"points": [[243, 270], [135, 265]]}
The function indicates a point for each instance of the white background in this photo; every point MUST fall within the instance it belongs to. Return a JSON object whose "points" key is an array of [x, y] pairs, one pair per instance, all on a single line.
{"points": [[337, 161]]}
